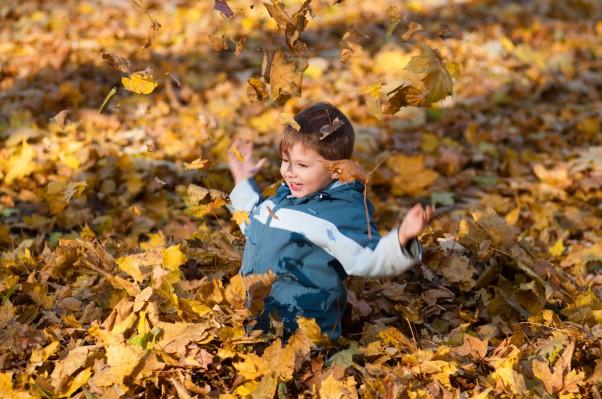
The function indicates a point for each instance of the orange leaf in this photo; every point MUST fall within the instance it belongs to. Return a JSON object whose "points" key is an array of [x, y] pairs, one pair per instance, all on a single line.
{"points": [[347, 170]]}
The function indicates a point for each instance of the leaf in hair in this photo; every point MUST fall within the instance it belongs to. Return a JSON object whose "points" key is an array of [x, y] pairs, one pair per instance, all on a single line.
{"points": [[327, 130]]}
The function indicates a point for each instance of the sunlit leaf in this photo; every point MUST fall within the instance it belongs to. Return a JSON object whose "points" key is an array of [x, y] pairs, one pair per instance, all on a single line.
{"points": [[241, 217], [141, 83], [285, 118]]}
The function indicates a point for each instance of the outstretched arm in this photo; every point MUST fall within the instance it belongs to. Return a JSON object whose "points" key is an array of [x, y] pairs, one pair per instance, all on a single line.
{"points": [[243, 166], [414, 222]]}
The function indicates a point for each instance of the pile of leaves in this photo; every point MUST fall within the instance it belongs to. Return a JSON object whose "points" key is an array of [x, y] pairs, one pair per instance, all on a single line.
{"points": [[119, 262]]}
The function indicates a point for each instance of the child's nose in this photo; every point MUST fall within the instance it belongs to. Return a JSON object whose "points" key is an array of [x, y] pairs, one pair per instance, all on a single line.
{"points": [[289, 170]]}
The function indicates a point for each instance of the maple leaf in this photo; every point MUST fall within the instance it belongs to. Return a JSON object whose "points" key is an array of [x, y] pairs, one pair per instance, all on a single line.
{"points": [[438, 81], [241, 217]]}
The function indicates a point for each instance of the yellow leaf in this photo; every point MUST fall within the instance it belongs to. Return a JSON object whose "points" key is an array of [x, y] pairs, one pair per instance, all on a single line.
{"points": [[256, 90], [39, 355], [20, 164], [130, 265], [373, 90], [139, 83], [285, 118], [194, 307], [173, 258], [241, 217], [155, 241], [76, 383], [237, 154], [7, 391], [197, 164], [312, 330], [557, 249], [59, 194], [413, 28]]}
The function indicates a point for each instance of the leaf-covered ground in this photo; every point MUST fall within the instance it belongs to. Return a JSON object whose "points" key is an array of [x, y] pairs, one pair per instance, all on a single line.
{"points": [[118, 263]]}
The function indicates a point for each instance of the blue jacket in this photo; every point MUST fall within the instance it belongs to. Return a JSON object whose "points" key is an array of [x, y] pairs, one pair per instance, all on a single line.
{"points": [[312, 244]]}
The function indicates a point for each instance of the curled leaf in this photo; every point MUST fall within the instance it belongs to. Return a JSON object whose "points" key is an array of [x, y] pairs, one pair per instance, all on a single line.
{"points": [[327, 130]]}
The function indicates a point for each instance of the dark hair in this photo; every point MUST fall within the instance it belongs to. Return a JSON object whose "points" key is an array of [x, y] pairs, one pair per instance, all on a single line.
{"points": [[334, 146]]}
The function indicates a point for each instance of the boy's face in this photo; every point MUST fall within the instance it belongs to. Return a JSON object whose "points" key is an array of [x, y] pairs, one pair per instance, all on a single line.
{"points": [[304, 172]]}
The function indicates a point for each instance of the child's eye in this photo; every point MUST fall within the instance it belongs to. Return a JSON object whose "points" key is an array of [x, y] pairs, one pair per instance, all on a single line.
{"points": [[302, 165], [284, 160]]}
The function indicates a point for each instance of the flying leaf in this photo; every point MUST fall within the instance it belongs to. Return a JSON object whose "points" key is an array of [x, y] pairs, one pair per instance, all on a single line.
{"points": [[413, 28], [223, 7], [117, 63], [373, 90], [327, 130], [61, 118], [350, 44], [347, 170], [218, 43], [285, 118], [276, 11], [286, 75], [197, 164], [241, 217], [438, 81], [403, 96], [256, 90], [141, 83]]}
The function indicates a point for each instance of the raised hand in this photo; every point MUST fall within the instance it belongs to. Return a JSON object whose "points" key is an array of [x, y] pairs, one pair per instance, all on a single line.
{"points": [[414, 222], [243, 166]]}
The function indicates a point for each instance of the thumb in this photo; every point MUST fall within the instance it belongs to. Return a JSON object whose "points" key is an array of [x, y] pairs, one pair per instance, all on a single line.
{"points": [[257, 167]]}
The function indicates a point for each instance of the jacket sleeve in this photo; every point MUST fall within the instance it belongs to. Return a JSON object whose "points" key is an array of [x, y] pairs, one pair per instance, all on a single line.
{"points": [[357, 255], [245, 197]]}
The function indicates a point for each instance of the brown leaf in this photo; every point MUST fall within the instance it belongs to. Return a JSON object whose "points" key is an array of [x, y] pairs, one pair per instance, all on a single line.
{"points": [[351, 45], [327, 130], [286, 75], [347, 170], [118, 63], [218, 43], [223, 7]]}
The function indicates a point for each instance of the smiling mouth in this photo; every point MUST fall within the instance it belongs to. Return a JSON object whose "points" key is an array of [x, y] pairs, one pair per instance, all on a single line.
{"points": [[295, 186]]}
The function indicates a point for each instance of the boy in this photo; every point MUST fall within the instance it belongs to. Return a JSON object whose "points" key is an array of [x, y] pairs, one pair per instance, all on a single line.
{"points": [[313, 233]]}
